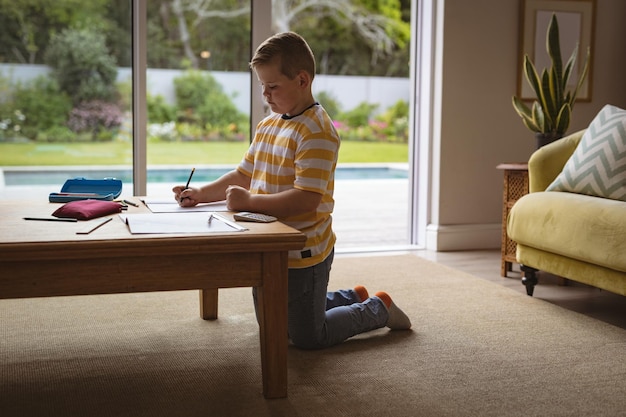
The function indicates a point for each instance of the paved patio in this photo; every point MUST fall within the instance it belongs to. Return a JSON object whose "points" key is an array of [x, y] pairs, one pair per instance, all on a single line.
{"points": [[371, 213]]}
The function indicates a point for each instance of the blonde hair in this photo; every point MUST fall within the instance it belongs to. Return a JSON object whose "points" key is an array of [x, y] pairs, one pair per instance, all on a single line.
{"points": [[289, 50]]}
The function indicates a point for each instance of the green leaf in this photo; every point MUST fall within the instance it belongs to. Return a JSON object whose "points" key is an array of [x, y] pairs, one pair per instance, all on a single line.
{"points": [[531, 75], [569, 66], [547, 99], [554, 47], [539, 118], [521, 108], [531, 126], [526, 114], [563, 119]]}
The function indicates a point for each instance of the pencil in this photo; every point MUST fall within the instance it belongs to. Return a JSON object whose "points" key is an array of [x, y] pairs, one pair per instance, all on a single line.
{"points": [[188, 181], [52, 219], [102, 223], [131, 203], [190, 175]]}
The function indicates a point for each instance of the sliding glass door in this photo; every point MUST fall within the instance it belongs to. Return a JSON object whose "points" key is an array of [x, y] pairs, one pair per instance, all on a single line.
{"points": [[144, 91], [198, 90]]}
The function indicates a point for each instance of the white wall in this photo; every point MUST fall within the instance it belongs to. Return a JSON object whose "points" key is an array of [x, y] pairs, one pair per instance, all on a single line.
{"points": [[479, 128], [348, 91]]}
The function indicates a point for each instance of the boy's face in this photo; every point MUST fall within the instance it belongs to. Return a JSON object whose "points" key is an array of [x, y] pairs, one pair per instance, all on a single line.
{"points": [[283, 95]]}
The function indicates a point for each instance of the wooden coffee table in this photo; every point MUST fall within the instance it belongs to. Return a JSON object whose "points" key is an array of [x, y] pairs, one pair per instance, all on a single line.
{"points": [[46, 259]]}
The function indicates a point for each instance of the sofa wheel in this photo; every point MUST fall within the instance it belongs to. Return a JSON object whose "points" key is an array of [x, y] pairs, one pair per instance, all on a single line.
{"points": [[529, 279]]}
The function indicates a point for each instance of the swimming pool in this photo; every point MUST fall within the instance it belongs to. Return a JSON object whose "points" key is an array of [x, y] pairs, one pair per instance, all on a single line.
{"points": [[47, 176]]}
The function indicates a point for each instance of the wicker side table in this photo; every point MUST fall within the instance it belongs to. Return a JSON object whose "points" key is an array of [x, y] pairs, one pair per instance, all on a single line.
{"points": [[515, 187]]}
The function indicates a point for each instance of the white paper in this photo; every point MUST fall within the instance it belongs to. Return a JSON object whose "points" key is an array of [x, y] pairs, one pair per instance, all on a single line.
{"points": [[175, 223], [160, 205]]}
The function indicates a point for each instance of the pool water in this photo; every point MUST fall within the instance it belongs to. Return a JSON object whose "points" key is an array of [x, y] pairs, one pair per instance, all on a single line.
{"points": [[176, 175]]}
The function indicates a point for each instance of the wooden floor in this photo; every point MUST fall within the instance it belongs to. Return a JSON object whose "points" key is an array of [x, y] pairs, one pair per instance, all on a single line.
{"points": [[599, 304]]}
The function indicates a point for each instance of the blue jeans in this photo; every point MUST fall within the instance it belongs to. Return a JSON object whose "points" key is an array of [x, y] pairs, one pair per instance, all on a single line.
{"points": [[318, 318]]}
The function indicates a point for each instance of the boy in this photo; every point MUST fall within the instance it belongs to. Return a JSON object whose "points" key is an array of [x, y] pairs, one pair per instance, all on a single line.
{"points": [[288, 172]]}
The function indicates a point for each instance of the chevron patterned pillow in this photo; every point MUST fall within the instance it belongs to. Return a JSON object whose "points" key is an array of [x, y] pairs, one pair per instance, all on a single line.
{"points": [[598, 165]]}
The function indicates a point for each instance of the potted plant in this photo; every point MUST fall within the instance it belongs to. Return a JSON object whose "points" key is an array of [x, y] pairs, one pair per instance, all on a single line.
{"points": [[550, 113]]}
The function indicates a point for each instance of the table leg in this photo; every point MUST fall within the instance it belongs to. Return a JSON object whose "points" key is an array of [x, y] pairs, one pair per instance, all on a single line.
{"points": [[272, 305], [208, 304]]}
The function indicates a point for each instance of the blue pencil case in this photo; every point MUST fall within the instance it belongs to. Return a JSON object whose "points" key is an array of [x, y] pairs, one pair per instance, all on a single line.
{"points": [[76, 189]]}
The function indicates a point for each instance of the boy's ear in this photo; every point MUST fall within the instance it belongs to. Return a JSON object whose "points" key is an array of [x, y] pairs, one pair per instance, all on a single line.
{"points": [[304, 79]]}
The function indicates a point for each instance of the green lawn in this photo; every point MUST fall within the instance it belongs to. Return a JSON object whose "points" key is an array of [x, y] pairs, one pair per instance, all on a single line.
{"points": [[163, 153]]}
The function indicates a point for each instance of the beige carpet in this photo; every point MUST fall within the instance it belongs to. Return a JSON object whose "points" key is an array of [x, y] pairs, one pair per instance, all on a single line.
{"points": [[477, 349]]}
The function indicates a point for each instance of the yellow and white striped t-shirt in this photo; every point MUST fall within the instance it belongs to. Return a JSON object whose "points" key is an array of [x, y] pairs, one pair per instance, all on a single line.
{"points": [[299, 152]]}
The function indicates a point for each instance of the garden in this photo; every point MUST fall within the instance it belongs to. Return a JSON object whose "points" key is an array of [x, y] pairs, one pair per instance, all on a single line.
{"points": [[83, 111]]}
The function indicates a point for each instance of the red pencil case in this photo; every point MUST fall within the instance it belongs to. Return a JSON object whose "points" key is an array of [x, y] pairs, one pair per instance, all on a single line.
{"points": [[87, 209]]}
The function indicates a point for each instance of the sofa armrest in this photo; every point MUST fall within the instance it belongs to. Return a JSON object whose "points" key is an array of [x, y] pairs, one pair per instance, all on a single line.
{"points": [[547, 162]]}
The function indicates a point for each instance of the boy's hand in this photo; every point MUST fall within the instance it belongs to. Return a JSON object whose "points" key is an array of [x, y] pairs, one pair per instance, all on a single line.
{"points": [[237, 198], [186, 197]]}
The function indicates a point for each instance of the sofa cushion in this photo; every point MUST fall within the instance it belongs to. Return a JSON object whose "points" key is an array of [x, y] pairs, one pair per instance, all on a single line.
{"points": [[577, 226], [598, 165]]}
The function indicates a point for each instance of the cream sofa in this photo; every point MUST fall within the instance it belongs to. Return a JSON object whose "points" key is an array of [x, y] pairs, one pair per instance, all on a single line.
{"points": [[571, 235]]}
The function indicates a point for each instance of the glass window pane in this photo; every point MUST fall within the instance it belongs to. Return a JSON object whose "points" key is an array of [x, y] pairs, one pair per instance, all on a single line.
{"points": [[64, 102], [362, 57], [198, 92]]}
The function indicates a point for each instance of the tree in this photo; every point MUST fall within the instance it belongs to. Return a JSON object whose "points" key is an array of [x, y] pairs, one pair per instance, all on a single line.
{"points": [[201, 10], [82, 65], [339, 46], [376, 22], [27, 25], [362, 37], [379, 23]]}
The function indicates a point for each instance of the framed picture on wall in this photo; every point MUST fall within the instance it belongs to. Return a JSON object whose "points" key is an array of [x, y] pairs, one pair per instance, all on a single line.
{"points": [[576, 28]]}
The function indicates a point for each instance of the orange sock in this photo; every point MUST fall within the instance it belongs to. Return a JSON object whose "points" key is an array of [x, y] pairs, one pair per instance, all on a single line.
{"points": [[361, 291], [385, 297]]}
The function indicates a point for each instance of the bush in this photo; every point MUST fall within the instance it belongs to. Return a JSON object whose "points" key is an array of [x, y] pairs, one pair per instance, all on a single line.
{"points": [[61, 134], [43, 105], [200, 99], [98, 117], [190, 132], [394, 123], [125, 94], [82, 65], [330, 104], [220, 111], [233, 132], [11, 125], [162, 132], [192, 89], [359, 116], [399, 110], [159, 111], [391, 126]]}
